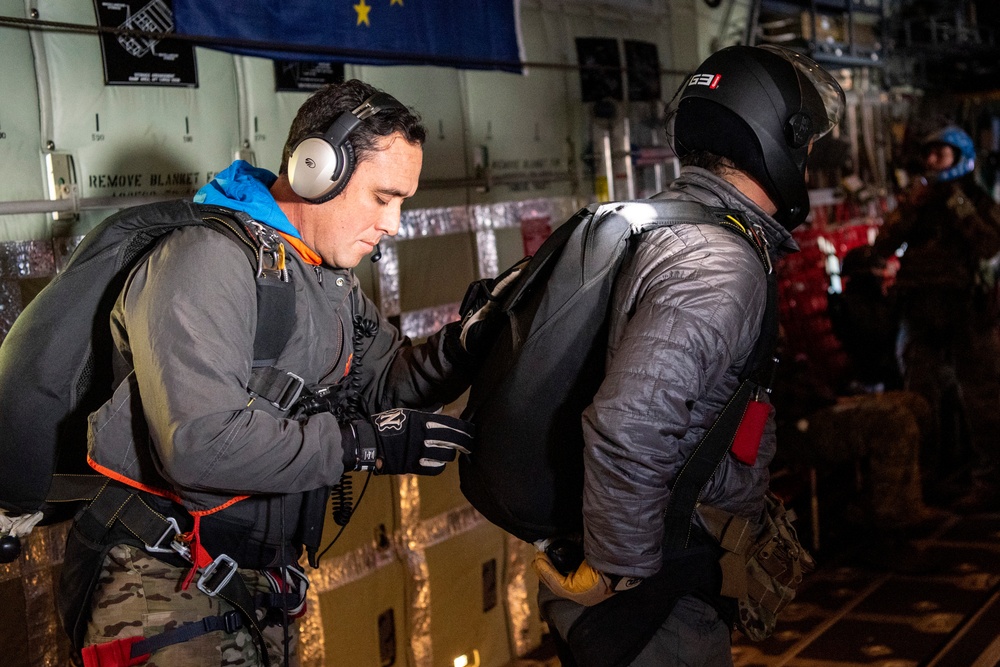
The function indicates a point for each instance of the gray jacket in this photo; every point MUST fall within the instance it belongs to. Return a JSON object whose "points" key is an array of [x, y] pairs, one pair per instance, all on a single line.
{"points": [[687, 310], [185, 322]]}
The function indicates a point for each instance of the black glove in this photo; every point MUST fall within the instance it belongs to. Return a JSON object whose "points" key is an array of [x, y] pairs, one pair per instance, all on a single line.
{"points": [[481, 316], [402, 441]]}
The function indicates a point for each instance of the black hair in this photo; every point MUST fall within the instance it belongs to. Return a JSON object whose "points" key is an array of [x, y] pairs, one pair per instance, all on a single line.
{"points": [[698, 122], [326, 104], [716, 164], [713, 162]]}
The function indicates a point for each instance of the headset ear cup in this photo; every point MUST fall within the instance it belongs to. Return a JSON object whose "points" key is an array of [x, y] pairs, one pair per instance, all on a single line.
{"points": [[321, 164], [318, 170], [345, 159]]}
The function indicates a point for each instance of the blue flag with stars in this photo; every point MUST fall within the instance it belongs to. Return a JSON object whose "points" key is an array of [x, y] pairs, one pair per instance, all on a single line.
{"points": [[468, 34]]}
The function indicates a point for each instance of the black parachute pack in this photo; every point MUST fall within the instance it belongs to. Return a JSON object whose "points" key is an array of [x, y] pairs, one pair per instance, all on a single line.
{"points": [[56, 362], [526, 475]]}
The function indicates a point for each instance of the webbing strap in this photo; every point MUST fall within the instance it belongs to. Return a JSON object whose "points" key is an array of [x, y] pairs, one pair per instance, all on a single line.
{"points": [[733, 533], [69, 488], [117, 653], [275, 319], [117, 501], [280, 388], [275, 299], [130, 651], [736, 536], [707, 456], [229, 622], [699, 467], [236, 594]]}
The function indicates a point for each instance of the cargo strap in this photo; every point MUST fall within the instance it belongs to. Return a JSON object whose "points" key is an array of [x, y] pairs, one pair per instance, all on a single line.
{"points": [[116, 504]]}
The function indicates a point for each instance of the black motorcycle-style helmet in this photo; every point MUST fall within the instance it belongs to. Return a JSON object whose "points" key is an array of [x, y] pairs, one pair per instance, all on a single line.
{"points": [[760, 107]]}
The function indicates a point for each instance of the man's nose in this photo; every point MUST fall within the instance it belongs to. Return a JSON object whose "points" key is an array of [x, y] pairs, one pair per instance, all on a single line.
{"points": [[388, 223]]}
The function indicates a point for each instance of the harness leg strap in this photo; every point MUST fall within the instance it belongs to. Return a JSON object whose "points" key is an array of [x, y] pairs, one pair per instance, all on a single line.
{"points": [[137, 650]]}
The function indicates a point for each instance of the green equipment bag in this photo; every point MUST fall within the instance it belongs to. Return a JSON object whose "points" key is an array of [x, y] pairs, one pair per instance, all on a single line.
{"points": [[761, 571]]}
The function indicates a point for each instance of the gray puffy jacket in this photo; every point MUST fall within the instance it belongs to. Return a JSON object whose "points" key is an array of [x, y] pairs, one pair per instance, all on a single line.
{"points": [[686, 313]]}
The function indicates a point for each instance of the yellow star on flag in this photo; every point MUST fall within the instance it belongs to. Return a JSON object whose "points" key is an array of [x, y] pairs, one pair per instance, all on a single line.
{"points": [[396, 2], [362, 9]]}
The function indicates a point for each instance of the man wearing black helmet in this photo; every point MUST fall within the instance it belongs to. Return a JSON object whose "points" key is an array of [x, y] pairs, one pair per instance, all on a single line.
{"points": [[688, 308], [948, 345]]}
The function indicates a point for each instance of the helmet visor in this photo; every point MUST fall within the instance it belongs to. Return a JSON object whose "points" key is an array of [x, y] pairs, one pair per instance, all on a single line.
{"points": [[821, 95]]}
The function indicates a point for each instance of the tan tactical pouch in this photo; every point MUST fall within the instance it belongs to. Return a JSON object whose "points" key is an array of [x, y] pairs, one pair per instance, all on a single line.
{"points": [[761, 571]]}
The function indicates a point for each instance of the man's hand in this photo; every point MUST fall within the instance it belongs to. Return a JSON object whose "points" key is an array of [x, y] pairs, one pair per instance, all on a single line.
{"points": [[918, 192], [584, 586], [402, 441], [481, 316]]}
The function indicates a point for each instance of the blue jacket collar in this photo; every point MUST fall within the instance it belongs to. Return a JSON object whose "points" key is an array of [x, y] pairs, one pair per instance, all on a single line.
{"points": [[243, 187]]}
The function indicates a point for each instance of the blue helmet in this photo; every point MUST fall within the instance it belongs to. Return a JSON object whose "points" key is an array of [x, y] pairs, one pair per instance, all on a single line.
{"points": [[965, 151]]}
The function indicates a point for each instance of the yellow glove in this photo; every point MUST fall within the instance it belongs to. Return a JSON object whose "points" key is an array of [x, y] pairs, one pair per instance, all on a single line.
{"points": [[585, 585]]}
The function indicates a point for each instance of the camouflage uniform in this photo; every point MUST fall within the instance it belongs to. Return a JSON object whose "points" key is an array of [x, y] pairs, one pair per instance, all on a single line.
{"points": [[886, 429], [949, 348], [147, 593]]}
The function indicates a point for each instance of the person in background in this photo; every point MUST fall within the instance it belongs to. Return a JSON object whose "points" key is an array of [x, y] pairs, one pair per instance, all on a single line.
{"points": [[864, 320], [948, 346]]}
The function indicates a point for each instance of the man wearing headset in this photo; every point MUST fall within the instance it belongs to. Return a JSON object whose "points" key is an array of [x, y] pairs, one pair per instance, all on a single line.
{"points": [[229, 467]]}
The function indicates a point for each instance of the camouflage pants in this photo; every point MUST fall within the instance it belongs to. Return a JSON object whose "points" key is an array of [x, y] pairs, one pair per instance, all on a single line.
{"points": [[949, 351], [886, 430], [138, 595]]}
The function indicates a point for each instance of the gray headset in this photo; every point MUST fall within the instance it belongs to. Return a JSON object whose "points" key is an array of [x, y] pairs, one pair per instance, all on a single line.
{"points": [[321, 163]]}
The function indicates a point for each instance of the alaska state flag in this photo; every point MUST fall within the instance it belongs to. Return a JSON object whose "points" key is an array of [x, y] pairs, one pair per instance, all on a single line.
{"points": [[469, 34]]}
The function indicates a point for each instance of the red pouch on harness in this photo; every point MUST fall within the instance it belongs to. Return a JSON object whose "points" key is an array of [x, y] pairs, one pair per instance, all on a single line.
{"points": [[112, 654], [746, 442]]}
